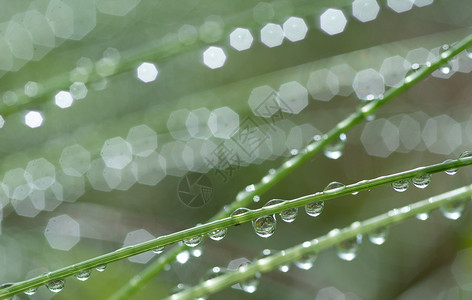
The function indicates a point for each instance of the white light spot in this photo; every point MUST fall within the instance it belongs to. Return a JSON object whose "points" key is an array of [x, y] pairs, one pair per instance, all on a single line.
{"points": [[241, 39], [214, 57], [295, 29], [333, 21], [63, 99], [272, 35], [147, 72], [33, 119]]}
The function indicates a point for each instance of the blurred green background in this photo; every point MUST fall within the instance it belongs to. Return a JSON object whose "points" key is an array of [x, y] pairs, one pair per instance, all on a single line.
{"points": [[87, 201]]}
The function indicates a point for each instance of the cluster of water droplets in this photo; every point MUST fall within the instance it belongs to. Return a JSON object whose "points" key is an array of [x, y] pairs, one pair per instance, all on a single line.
{"points": [[446, 67]]}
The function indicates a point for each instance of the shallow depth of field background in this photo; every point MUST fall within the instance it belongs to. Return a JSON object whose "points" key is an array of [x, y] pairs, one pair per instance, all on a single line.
{"points": [[90, 177]]}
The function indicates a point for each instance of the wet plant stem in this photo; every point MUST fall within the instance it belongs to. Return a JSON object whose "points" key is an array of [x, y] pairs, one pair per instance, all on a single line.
{"points": [[223, 223]]}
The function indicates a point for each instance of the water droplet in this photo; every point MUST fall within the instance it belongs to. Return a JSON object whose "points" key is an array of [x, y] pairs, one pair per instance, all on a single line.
{"points": [[347, 250], [422, 181], [288, 215], [453, 210], [196, 252], [250, 188], [212, 273], [218, 234], [31, 291], [293, 152], [334, 187], [158, 250], [83, 275], [401, 185], [413, 70], [249, 285], [423, 216], [334, 150], [378, 236], [193, 241], [306, 261], [271, 171], [178, 288], [315, 208], [465, 154], [264, 226], [239, 211], [446, 67], [55, 285], [355, 193], [256, 198], [450, 171], [101, 268]]}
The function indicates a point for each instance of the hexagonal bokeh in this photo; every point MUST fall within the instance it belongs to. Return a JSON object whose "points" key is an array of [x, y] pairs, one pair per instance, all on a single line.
{"points": [[71, 187], [116, 153], [329, 293], [345, 75], [39, 28], [176, 124], [18, 187], [75, 160], [263, 101], [333, 21], [410, 131], [33, 119], [461, 267], [197, 123], [61, 18], [63, 99], [212, 29], [263, 12], [323, 85], [394, 69], [136, 237], [143, 140], [442, 135], [214, 57], [147, 72], [116, 7], [365, 10], [241, 39], [31, 89], [419, 56], [31, 206], [2, 121], [293, 97], [78, 90], [400, 6], [19, 41], [178, 157], [120, 179], [62, 232], [368, 85], [40, 173], [187, 34], [223, 122], [272, 35], [380, 138], [300, 136], [421, 3], [295, 29], [151, 169], [95, 176]]}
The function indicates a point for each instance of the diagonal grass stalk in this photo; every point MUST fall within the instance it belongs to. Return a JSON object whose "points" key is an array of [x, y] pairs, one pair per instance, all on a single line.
{"points": [[244, 198], [227, 222], [289, 255]]}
